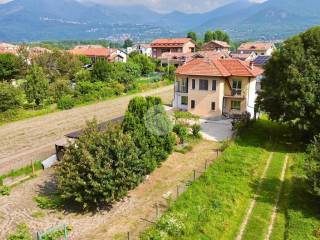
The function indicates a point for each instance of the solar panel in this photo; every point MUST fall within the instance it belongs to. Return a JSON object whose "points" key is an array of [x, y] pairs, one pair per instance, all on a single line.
{"points": [[261, 60]]}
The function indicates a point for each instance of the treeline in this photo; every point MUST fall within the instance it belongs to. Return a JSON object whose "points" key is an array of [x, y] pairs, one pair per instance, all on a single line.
{"points": [[102, 166], [59, 77]]}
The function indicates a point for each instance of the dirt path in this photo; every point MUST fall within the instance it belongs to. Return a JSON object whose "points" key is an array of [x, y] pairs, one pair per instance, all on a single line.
{"points": [[34, 139], [125, 216], [254, 200]]}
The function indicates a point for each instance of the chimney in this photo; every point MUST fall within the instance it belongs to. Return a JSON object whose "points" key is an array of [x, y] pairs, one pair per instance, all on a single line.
{"points": [[251, 65]]}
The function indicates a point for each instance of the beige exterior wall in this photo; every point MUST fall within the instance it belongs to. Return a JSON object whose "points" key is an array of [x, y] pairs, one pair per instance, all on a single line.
{"points": [[187, 48], [245, 81], [211, 46]]}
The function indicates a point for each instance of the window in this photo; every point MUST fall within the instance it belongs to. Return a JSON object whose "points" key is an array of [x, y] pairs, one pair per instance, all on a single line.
{"points": [[193, 104], [203, 84], [184, 100], [235, 105], [214, 85], [193, 84], [236, 87], [213, 106]]}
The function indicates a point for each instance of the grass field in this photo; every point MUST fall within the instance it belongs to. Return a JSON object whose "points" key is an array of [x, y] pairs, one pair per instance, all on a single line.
{"points": [[214, 206]]}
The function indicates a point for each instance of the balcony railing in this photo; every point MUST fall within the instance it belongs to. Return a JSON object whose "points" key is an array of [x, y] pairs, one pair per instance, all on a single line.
{"points": [[181, 88]]}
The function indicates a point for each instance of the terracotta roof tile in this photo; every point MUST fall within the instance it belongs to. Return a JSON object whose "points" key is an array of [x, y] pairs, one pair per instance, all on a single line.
{"points": [[218, 68], [170, 42], [258, 46], [92, 51]]}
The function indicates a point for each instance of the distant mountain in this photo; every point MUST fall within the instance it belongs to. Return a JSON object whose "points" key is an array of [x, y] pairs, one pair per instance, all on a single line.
{"points": [[274, 19], [36, 20]]}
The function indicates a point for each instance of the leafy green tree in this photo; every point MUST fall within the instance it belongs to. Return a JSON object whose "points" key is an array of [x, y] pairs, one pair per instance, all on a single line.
{"points": [[146, 121], [60, 87], [291, 86], [10, 97], [99, 168], [147, 65], [193, 36], [10, 67], [128, 43], [313, 165], [208, 36], [102, 71], [59, 64], [83, 75], [36, 86]]}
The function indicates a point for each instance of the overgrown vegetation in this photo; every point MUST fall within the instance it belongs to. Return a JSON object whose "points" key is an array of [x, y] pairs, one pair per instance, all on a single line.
{"points": [[22, 233], [102, 166], [215, 205], [36, 85]]}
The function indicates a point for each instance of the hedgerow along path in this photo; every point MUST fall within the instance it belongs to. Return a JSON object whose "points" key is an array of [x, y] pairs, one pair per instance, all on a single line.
{"points": [[34, 139]]}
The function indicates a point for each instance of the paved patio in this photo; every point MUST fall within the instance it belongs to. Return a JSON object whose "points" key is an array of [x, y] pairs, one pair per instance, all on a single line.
{"points": [[216, 130]]}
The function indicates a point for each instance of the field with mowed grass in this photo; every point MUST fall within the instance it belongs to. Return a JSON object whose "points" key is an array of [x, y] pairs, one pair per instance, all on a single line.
{"points": [[217, 204]]}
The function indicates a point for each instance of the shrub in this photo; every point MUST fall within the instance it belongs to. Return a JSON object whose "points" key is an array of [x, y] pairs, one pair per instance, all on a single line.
{"points": [[313, 165], [66, 102], [22, 233], [185, 115], [4, 191], [99, 168], [10, 97], [196, 130], [242, 123], [181, 131]]}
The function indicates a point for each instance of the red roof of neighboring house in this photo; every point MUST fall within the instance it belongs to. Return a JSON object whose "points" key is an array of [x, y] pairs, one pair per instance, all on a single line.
{"points": [[189, 56], [170, 42], [258, 46], [6, 48], [219, 68], [92, 51], [220, 43]]}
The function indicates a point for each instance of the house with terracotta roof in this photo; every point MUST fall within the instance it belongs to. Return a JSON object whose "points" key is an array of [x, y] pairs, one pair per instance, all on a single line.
{"points": [[259, 48], [6, 48], [97, 52], [215, 45], [248, 57], [179, 59], [172, 45], [215, 88]]}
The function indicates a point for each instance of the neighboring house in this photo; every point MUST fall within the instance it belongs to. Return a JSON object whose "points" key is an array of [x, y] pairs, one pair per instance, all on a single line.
{"points": [[178, 59], [97, 52], [172, 45], [215, 45], [144, 49], [213, 88], [6, 48], [259, 48], [248, 57]]}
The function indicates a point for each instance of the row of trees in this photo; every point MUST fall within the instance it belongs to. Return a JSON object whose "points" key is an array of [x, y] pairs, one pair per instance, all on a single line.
{"points": [[101, 167], [59, 77], [291, 92]]}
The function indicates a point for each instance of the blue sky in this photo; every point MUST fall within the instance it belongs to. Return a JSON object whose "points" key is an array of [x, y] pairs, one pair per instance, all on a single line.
{"points": [[169, 5]]}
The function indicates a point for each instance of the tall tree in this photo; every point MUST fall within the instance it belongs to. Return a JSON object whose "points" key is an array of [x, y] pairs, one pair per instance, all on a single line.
{"points": [[128, 43], [208, 36], [10, 97], [10, 67], [36, 86], [291, 86], [192, 35]]}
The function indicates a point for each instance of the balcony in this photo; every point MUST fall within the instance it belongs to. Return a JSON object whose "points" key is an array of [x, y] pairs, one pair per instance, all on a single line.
{"points": [[181, 88]]}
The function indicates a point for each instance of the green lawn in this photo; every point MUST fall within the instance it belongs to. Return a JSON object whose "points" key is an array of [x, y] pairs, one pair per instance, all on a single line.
{"points": [[215, 205], [259, 220], [299, 213]]}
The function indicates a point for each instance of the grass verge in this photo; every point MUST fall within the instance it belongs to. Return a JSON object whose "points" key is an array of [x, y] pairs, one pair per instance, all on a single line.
{"points": [[214, 206], [259, 220]]}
